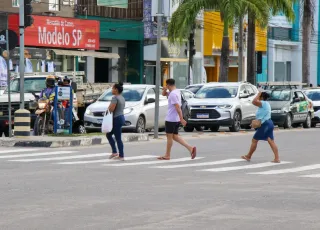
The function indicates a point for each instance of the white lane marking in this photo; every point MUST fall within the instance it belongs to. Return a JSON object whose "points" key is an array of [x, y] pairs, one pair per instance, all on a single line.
{"points": [[105, 160], [63, 158], [311, 176], [253, 166], [200, 164], [36, 154], [18, 150], [290, 170], [154, 162]]}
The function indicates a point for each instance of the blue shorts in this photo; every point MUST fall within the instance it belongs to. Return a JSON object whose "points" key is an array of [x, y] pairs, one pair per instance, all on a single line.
{"points": [[265, 131]]}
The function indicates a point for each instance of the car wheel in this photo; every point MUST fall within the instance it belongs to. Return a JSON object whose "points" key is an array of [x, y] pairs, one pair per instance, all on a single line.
{"points": [[188, 129], [140, 128], [307, 123], [236, 122], [288, 122], [199, 128], [215, 128], [81, 129]]}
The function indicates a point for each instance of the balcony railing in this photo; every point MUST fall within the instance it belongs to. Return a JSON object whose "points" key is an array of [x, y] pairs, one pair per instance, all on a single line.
{"points": [[90, 8]]}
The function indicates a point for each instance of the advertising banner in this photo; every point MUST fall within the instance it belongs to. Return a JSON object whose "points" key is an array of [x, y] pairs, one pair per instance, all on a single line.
{"points": [[60, 32], [113, 3]]}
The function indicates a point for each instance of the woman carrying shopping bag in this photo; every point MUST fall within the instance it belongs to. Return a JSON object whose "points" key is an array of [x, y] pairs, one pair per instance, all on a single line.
{"points": [[264, 127], [116, 107]]}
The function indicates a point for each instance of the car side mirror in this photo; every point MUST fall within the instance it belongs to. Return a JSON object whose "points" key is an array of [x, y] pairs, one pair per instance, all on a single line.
{"points": [[295, 100], [151, 100], [244, 95]]}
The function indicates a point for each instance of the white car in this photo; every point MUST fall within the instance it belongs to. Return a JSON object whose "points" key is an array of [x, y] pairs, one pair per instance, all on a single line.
{"points": [[139, 110], [314, 96], [223, 104]]}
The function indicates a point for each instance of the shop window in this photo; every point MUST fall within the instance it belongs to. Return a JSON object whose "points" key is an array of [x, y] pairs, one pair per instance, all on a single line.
{"points": [[278, 33], [282, 71], [54, 5]]}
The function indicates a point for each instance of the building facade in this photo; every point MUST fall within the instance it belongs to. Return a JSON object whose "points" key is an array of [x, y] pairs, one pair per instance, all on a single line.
{"points": [[213, 34], [121, 32], [285, 48], [174, 58]]}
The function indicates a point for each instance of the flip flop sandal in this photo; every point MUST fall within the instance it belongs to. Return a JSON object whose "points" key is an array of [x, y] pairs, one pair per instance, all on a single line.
{"points": [[194, 153], [276, 162], [113, 156], [118, 158], [245, 158], [163, 158]]}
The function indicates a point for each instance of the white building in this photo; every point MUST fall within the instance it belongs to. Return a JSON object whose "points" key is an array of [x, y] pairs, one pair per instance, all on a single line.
{"points": [[285, 48]]}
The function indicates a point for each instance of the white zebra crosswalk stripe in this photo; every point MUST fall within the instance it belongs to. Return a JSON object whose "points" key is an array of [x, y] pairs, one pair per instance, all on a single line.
{"points": [[290, 170], [105, 160], [228, 161], [252, 166], [64, 158], [154, 162], [36, 154], [311, 176], [18, 150]]}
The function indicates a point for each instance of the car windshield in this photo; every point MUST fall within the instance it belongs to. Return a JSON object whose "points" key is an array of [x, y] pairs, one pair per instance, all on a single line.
{"points": [[194, 88], [217, 92], [280, 95], [313, 95], [129, 94], [30, 85]]}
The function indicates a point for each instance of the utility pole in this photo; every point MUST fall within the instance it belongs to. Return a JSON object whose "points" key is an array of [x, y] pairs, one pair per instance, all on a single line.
{"points": [[8, 81], [21, 63], [158, 69], [192, 52]]}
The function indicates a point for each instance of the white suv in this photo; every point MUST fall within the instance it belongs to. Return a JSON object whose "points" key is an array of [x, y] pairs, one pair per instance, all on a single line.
{"points": [[223, 104]]}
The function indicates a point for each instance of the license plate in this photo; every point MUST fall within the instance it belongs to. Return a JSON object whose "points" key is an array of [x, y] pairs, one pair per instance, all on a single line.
{"points": [[99, 121], [203, 115]]}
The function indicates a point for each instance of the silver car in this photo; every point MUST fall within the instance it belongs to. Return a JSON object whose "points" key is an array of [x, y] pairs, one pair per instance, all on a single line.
{"points": [[139, 111]]}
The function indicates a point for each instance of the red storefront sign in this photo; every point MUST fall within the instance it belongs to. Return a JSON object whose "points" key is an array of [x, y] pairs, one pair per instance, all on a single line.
{"points": [[60, 32]]}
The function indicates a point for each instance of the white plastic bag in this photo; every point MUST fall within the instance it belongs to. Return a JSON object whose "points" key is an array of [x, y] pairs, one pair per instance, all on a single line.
{"points": [[107, 122]]}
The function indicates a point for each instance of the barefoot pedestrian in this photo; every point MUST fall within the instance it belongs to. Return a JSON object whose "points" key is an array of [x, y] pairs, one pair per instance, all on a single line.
{"points": [[264, 127], [173, 119], [116, 107]]}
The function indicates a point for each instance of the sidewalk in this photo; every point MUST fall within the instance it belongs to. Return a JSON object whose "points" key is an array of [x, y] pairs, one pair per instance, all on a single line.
{"points": [[66, 141]]}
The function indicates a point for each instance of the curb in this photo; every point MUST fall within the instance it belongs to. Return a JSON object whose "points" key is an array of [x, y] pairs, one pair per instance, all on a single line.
{"points": [[66, 142]]}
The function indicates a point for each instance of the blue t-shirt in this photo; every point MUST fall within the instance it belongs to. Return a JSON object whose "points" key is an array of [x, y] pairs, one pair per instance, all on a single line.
{"points": [[264, 112]]}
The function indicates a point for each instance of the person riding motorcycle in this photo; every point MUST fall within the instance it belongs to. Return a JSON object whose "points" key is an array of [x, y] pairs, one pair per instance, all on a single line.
{"points": [[49, 94]]}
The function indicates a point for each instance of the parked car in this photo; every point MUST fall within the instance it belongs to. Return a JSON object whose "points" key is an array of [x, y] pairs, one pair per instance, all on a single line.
{"points": [[194, 88], [290, 108], [187, 94], [139, 111], [314, 95], [223, 104]]}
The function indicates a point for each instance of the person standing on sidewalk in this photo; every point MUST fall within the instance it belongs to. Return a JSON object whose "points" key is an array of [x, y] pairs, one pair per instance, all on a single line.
{"points": [[265, 131], [116, 107], [173, 119]]}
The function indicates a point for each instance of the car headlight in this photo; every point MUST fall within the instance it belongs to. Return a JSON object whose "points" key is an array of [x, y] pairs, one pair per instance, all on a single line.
{"points": [[127, 110], [88, 112], [224, 106]]}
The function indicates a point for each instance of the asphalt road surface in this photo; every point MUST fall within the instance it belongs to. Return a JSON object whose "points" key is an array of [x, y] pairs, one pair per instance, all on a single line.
{"points": [[81, 189]]}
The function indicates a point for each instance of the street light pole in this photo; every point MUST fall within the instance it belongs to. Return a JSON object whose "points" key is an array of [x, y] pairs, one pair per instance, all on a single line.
{"points": [[158, 69], [8, 81], [21, 64]]}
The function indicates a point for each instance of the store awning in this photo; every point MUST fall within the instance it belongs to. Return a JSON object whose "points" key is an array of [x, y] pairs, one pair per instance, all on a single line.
{"points": [[86, 54]]}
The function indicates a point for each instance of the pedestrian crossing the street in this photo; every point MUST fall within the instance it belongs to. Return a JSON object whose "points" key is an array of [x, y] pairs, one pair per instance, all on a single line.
{"points": [[200, 164]]}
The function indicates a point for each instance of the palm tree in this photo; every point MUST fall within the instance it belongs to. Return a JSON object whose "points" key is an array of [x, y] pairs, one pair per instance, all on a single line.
{"points": [[239, 19], [307, 21], [184, 17], [276, 6]]}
